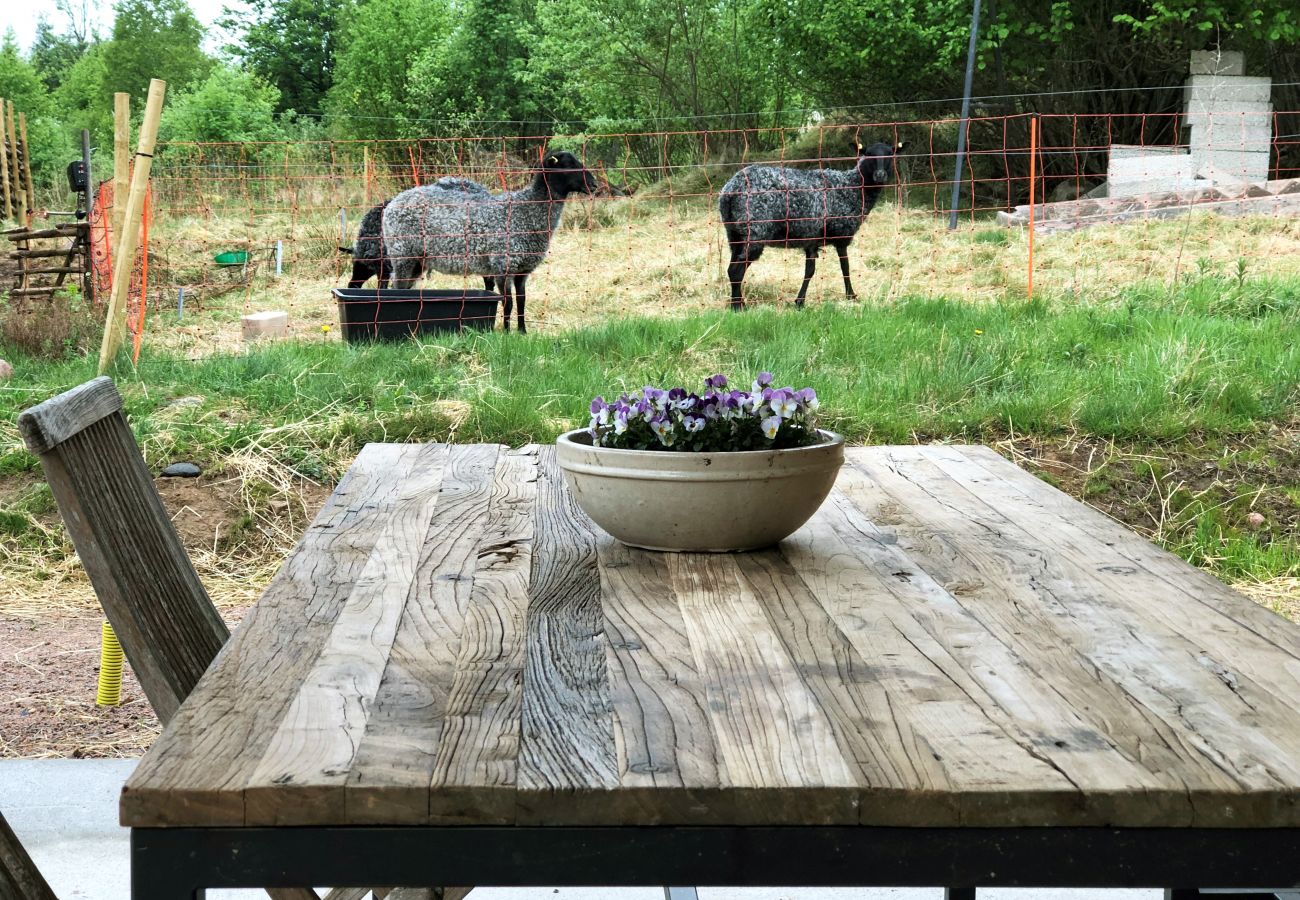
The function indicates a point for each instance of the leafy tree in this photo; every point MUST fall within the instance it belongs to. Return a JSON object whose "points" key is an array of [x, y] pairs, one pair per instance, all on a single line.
{"points": [[479, 72], [84, 101], [20, 83], [380, 40], [292, 44], [229, 105], [153, 39], [54, 53]]}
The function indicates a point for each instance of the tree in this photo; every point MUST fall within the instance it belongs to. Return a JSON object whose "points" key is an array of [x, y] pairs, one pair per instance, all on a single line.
{"points": [[20, 83], [370, 97], [478, 73], [53, 54], [229, 105], [84, 101], [292, 44], [153, 39]]}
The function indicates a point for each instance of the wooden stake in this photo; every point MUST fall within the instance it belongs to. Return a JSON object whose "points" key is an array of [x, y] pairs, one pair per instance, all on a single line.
{"points": [[126, 246], [121, 163], [1033, 155], [16, 178], [365, 172], [27, 164], [4, 169]]}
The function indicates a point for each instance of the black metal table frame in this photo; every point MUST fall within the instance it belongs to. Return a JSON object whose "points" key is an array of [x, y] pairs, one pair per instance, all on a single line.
{"points": [[174, 863]]}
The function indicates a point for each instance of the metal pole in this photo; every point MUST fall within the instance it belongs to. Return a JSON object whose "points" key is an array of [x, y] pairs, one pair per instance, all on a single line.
{"points": [[965, 115], [90, 183]]}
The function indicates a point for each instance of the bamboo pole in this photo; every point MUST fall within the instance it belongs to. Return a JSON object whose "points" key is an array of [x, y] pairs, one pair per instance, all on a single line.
{"points": [[20, 196], [4, 169], [121, 162], [27, 163], [126, 246]]}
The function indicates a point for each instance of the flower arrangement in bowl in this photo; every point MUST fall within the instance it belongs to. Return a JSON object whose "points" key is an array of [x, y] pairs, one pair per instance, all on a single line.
{"points": [[722, 470]]}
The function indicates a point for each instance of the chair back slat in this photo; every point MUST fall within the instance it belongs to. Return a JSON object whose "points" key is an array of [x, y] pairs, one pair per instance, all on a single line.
{"points": [[164, 620], [19, 878]]}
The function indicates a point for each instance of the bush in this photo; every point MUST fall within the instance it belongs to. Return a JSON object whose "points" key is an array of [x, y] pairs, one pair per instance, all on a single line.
{"points": [[62, 327]]}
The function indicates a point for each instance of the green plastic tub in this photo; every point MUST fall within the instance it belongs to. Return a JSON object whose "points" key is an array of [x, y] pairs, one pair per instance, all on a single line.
{"points": [[232, 258]]}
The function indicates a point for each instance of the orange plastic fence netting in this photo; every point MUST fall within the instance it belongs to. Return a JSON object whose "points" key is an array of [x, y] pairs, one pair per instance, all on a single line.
{"points": [[259, 226], [102, 241]]}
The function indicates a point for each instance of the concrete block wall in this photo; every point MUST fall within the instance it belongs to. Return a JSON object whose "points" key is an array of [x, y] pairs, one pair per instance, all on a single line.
{"points": [[1229, 119]]}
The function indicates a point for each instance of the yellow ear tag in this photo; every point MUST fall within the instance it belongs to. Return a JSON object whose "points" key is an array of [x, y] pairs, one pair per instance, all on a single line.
{"points": [[552, 160]]}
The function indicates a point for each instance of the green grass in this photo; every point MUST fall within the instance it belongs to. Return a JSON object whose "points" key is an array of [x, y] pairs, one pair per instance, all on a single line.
{"points": [[1155, 368]]}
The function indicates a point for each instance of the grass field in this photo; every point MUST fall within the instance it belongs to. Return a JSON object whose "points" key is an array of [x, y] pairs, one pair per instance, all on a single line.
{"points": [[1171, 403]]}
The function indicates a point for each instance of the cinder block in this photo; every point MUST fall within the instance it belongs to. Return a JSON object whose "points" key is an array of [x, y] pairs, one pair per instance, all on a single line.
{"points": [[1218, 62], [1138, 168], [1205, 89], [1233, 115], [1234, 165], [1230, 135], [269, 324], [1142, 151]]}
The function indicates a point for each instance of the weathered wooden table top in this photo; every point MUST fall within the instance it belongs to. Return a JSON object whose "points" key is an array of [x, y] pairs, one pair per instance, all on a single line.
{"points": [[948, 641]]}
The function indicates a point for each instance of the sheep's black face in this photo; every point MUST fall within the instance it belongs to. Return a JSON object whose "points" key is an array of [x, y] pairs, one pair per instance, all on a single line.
{"points": [[876, 163], [565, 174]]}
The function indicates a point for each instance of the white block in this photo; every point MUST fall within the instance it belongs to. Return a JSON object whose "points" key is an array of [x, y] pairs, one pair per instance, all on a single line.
{"points": [[1213, 89], [1141, 151], [1233, 115], [1237, 165], [1152, 186], [1143, 168], [1218, 62], [1231, 134], [269, 324]]}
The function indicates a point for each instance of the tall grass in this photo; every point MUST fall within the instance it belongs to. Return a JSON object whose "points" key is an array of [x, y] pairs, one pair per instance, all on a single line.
{"points": [[1154, 368]]}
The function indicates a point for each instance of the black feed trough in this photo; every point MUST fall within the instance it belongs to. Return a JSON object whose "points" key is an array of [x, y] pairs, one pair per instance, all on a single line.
{"points": [[390, 314]]}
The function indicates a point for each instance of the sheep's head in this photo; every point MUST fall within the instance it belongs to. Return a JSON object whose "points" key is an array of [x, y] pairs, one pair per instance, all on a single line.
{"points": [[876, 163], [565, 174]]}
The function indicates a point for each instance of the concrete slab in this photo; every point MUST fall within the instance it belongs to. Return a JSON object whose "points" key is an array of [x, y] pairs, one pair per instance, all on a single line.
{"points": [[1230, 135], [1217, 62], [1227, 89], [1241, 165], [65, 813], [1206, 108]]}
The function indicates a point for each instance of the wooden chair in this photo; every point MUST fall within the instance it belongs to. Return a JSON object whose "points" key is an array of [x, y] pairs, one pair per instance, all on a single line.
{"points": [[164, 620], [19, 877]]}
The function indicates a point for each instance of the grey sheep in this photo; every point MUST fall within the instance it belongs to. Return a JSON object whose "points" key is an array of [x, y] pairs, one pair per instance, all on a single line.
{"points": [[773, 206], [499, 236], [368, 251]]}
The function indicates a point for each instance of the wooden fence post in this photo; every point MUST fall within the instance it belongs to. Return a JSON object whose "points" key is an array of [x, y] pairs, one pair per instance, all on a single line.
{"points": [[121, 161], [20, 196], [4, 169], [124, 262], [27, 162]]}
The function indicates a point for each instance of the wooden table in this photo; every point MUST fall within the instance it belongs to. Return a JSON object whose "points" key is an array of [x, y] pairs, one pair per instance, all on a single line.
{"points": [[953, 675]]}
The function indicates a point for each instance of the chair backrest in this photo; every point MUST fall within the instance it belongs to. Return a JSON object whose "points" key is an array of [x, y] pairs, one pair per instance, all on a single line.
{"points": [[168, 628], [19, 877]]}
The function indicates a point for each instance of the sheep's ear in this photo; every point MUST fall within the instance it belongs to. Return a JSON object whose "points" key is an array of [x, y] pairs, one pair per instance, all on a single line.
{"points": [[898, 148]]}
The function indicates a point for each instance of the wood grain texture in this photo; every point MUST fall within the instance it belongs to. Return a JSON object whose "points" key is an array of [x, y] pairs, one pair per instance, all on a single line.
{"points": [[49, 424], [948, 641], [19, 877]]}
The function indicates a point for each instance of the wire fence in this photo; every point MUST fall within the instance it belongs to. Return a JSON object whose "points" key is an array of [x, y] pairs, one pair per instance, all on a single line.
{"points": [[1120, 200]]}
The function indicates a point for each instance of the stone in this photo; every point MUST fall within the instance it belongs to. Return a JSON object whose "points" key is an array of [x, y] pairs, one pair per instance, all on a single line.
{"points": [[6, 371], [182, 470], [1217, 62], [268, 324], [184, 401], [1255, 521]]}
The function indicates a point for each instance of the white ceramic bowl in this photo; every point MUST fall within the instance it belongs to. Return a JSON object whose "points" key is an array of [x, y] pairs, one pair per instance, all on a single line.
{"points": [[710, 502]]}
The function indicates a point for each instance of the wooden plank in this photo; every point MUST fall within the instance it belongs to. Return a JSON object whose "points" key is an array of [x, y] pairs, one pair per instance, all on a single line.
{"points": [[49, 424], [19, 877], [474, 772], [667, 755], [301, 778], [567, 744], [1238, 744], [389, 781], [773, 739], [196, 772], [977, 771]]}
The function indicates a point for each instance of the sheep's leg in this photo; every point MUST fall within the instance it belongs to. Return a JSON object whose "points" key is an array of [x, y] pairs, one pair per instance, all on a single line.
{"points": [[742, 257], [519, 295], [809, 266], [489, 283], [360, 274], [503, 288], [843, 251]]}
